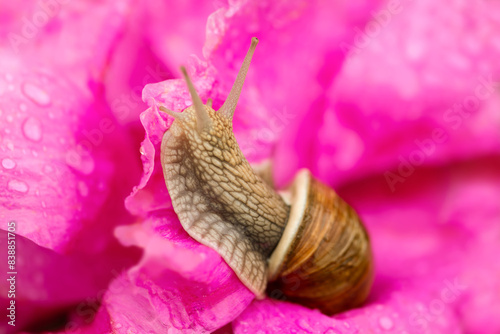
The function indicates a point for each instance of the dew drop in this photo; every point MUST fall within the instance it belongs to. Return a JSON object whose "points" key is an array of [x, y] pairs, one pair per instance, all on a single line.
{"points": [[331, 331], [81, 162], [83, 189], [101, 186], [8, 163], [9, 118], [386, 323], [19, 186], [36, 94], [23, 107], [9, 77], [10, 146], [302, 324], [44, 205], [32, 129]]}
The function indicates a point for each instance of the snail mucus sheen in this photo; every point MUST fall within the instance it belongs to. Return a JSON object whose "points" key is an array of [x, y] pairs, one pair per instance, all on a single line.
{"points": [[306, 241]]}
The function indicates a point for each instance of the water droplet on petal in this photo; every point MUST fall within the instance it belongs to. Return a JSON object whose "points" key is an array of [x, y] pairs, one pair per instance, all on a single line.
{"points": [[36, 94], [43, 204], [32, 129], [83, 163], [8, 163], [101, 186], [304, 325], [386, 323], [23, 107], [83, 189], [10, 146], [9, 118], [9, 77], [17, 185]]}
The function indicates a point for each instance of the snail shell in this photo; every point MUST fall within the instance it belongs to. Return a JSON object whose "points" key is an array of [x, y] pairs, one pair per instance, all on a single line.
{"points": [[314, 248], [323, 260]]}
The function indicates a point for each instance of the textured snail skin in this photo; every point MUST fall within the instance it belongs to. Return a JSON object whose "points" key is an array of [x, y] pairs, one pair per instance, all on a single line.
{"points": [[314, 248], [220, 201]]}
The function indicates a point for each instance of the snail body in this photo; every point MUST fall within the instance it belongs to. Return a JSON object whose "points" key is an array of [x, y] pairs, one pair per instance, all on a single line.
{"points": [[313, 249]]}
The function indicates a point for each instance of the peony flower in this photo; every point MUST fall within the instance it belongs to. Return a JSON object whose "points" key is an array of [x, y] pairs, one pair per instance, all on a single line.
{"points": [[393, 104]]}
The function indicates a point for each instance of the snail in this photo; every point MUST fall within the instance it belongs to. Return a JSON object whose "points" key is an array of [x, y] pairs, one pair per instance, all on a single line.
{"points": [[306, 241]]}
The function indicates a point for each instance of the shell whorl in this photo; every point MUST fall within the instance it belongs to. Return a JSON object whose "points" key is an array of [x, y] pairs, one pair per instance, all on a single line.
{"points": [[324, 258]]}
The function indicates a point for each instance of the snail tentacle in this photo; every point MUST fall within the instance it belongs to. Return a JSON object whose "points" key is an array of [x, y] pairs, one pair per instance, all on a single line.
{"points": [[203, 121], [229, 105], [174, 114]]}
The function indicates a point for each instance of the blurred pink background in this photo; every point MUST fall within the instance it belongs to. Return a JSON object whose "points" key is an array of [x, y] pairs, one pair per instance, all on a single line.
{"points": [[395, 104]]}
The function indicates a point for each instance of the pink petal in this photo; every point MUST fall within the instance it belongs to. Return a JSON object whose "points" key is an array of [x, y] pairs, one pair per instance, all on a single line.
{"points": [[54, 168], [151, 193], [203, 293], [38, 31], [433, 244], [61, 178], [345, 130], [392, 103], [158, 37], [290, 70], [178, 284], [404, 311], [42, 280]]}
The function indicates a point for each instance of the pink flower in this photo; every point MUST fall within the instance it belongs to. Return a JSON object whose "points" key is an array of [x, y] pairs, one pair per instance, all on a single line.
{"points": [[394, 104], [62, 180]]}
